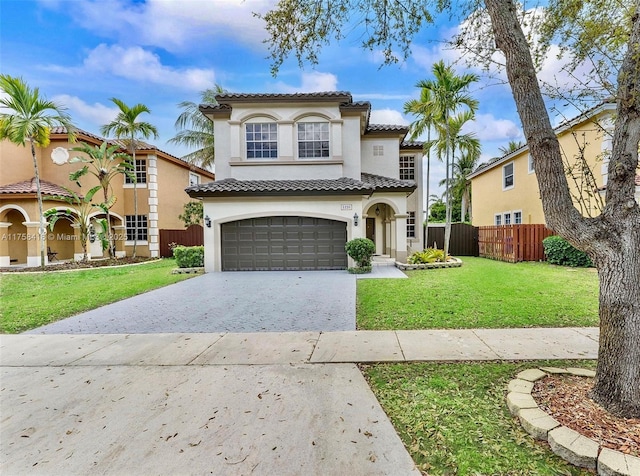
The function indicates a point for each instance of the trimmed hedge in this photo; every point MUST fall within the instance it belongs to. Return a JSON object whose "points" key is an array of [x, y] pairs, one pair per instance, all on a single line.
{"points": [[560, 251], [189, 256], [361, 250]]}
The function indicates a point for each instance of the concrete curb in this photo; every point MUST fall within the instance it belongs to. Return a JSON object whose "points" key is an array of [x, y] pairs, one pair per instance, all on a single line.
{"points": [[566, 443]]}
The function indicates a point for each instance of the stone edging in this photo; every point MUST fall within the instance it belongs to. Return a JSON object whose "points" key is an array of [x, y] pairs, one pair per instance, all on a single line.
{"points": [[81, 269], [452, 263], [198, 270], [570, 445]]}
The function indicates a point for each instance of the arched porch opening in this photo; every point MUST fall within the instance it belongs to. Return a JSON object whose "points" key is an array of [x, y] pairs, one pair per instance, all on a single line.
{"points": [[379, 224], [15, 237]]}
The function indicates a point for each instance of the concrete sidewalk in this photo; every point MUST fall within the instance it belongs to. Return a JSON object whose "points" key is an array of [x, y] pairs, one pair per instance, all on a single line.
{"points": [[226, 404]]}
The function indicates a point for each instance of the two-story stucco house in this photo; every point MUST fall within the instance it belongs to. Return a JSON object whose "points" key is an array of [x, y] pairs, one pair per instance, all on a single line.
{"points": [[298, 175], [505, 191], [161, 177]]}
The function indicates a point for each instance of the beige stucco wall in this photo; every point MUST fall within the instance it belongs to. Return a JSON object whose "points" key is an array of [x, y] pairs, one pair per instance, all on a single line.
{"points": [[489, 198]]}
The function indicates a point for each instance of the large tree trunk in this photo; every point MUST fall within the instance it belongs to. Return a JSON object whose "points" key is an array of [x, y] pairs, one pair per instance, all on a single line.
{"points": [[613, 239]]}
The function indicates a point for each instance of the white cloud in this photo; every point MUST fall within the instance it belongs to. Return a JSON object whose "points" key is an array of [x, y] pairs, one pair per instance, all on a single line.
{"points": [[138, 64], [488, 128], [172, 25], [387, 116], [311, 82], [95, 114]]}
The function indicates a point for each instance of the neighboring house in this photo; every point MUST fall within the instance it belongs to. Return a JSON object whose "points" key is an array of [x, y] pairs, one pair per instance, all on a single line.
{"points": [[298, 175], [505, 191], [161, 197]]}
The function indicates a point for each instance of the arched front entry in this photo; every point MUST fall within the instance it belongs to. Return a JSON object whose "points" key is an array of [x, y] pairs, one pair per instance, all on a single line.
{"points": [[283, 243], [379, 222], [15, 237]]}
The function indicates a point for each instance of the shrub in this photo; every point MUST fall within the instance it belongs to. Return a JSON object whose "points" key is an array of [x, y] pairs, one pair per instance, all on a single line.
{"points": [[429, 255], [560, 251], [359, 270], [189, 256], [361, 250]]}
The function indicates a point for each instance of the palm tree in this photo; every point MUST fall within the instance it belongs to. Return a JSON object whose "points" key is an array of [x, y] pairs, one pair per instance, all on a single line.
{"points": [[448, 96], [30, 119], [196, 131], [103, 162], [469, 150], [422, 109], [512, 146], [126, 126]]}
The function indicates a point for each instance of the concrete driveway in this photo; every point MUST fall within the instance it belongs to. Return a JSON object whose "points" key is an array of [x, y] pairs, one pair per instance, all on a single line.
{"points": [[258, 301]]}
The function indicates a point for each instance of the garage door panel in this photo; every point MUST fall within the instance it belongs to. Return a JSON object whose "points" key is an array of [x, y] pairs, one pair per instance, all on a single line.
{"points": [[283, 243]]}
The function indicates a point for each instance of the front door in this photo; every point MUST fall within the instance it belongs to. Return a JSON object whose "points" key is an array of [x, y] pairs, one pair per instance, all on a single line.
{"points": [[371, 229]]}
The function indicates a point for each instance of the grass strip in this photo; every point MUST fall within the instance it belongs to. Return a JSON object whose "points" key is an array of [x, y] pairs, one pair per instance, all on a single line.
{"points": [[453, 418]]}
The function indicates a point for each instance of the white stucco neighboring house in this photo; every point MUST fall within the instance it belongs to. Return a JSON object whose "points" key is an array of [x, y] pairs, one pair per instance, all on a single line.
{"points": [[298, 175]]}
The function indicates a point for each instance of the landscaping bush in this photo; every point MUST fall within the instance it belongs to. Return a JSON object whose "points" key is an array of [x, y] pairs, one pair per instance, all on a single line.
{"points": [[189, 256], [361, 250], [560, 251], [429, 255]]}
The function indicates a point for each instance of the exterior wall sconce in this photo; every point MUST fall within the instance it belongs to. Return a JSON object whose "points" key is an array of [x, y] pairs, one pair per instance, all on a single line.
{"points": [[355, 220], [377, 211], [207, 221]]}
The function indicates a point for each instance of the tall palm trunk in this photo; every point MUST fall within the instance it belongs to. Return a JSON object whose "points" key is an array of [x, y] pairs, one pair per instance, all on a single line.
{"points": [[110, 238], [426, 220], [42, 228], [447, 225]]}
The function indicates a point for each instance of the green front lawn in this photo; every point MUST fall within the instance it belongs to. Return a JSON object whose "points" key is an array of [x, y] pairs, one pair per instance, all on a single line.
{"points": [[453, 418], [31, 300], [481, 294]]}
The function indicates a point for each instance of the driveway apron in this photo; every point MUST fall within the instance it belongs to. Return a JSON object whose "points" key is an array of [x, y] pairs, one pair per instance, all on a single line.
{"points": [[257, 301]]}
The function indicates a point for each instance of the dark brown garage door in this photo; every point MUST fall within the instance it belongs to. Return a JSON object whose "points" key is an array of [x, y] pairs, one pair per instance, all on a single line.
{"points": [[283, 243]]}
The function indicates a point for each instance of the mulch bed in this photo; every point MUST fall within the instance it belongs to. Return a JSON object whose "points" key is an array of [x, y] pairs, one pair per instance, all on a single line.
{"points": [[565, 398], [99, 263]]}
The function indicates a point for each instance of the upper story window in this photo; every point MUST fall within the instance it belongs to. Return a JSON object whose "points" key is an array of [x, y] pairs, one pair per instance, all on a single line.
{"points": [[262, 140], [507, 218], [140, 172], [507, 176], [194, 179], [407, 167], [378, 150], [313, 140], [530, 159]]}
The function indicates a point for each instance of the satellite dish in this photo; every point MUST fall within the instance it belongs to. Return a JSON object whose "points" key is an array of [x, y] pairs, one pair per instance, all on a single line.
{"points": [[60, 155]]}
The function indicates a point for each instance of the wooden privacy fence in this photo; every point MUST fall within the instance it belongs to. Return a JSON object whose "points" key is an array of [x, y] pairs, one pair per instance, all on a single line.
{"points": [[463, 241], [192, 236], [513, 243]]}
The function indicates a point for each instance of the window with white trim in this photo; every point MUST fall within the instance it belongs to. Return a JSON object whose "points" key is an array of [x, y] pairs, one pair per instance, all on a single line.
{"points": [[130, 222], [507, 218], [378, 150], [507, 176], [140, 172], [194, 179], [407, 167], [517, 218], [313, 140], [411, 224], [498, 219], [262, 140]]}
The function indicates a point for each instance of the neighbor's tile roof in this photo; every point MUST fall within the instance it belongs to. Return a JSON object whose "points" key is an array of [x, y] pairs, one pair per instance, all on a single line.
{"points": [[387, 128], [29, 186], [342, 186]]}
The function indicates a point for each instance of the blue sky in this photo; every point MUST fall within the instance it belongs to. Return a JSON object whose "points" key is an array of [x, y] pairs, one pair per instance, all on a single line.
{"points": [[80, 53]]}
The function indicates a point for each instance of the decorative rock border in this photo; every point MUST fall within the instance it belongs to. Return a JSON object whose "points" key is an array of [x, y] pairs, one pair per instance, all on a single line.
{"points": [[452, 263], [199, 270], [566, 443]]}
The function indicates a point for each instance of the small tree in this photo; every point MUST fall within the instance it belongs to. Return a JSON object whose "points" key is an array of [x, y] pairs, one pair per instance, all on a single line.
{"points": [[361, 250], [193, 213], [78, 216], [103, 162]]}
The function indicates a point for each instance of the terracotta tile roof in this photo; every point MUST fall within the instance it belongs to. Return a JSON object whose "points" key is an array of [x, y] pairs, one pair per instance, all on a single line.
{"points": [[248, 97], [382, 128], [233, 187], [412, 145], [342, 186], [380, 183], [29, 186]]}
